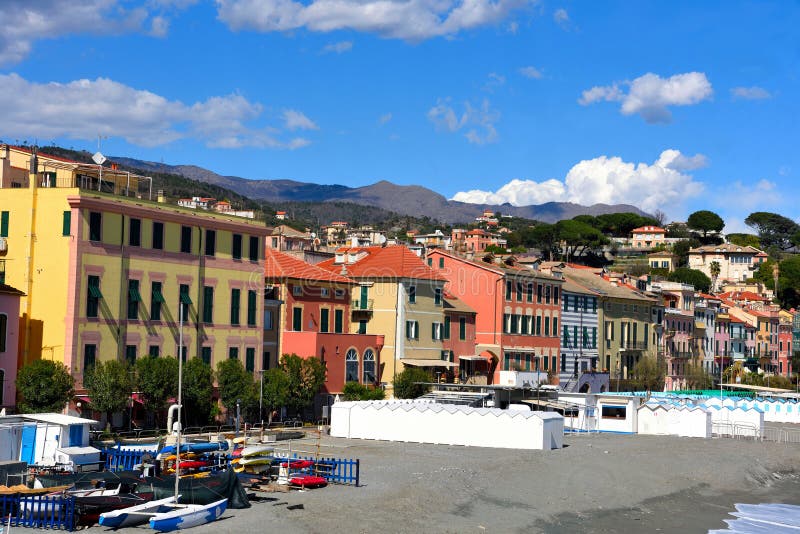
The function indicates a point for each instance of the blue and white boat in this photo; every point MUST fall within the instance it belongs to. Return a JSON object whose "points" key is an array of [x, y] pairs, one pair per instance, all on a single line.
{"points": [[136, 515], [183, 516]]}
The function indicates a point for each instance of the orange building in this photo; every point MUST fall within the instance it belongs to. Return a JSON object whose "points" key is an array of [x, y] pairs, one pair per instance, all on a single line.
{"points": [[316, 321], [517, 322]]}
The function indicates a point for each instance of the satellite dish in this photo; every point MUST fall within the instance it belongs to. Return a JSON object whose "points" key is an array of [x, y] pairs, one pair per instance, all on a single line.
{"points": [[98, 158]]}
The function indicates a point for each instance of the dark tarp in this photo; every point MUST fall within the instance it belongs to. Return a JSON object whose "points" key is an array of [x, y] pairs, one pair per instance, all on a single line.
{"points": [[192, 490]]}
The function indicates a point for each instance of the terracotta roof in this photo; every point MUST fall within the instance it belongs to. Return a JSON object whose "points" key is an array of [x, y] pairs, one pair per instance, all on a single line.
{"points": [[279, 265], [8, 290], [594, 282], [500, 269], [384, 262], [708, 296], [648, 229], [725, 247], [288, 231], [743, 295]]}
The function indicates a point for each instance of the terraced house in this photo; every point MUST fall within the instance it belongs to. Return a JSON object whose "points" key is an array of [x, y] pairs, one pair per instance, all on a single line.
{"points": [[400, 298], [109, 275], [518, 310], [626, 329], [314, 316]]}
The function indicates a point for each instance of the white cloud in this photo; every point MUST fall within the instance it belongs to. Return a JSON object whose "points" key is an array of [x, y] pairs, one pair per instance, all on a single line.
{"points": [[296, 120], [495, 81], [608, 180], [750, 197], [383, 119], [338, 48], [159, 26], [26, 21], [650, 95], [531, 72], [82, 109], [750, 93], [561, 17], [478, 122], [412, 20]]}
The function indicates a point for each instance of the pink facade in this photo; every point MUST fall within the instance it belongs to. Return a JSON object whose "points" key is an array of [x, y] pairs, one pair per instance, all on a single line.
{"points": [[784, 349], [459, 340], [9, 343]]}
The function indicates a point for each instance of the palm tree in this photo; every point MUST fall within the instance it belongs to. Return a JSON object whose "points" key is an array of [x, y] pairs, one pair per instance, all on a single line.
{"points": [[715, 270]]}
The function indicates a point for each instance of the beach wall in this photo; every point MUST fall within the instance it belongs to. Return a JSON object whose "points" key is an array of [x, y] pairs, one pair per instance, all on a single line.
{"points": [[666, 420], [447, 424]]}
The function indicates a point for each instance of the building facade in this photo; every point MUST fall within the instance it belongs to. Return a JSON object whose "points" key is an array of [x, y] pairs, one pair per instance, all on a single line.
{"points": [[316, 318], [9, 343], [736, 263], [109, 275]]}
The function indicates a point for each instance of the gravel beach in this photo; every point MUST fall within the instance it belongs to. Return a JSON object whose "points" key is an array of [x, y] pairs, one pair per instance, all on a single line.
{"points": [[596, 483]]}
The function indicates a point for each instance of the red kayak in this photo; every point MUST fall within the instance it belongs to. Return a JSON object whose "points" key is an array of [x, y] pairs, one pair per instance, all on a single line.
{"points": [[308, 481], [237, 453], [298, 464], [193, 464]]}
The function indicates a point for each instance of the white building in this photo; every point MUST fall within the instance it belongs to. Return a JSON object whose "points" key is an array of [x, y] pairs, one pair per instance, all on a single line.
{"points": [[736, 263]]}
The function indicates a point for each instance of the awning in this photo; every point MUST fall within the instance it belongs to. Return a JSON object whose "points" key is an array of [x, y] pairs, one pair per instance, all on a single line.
{"points": [[157, 296], [134, 294], [185, 299], [421, 362], [94, 291], [473, 358]]}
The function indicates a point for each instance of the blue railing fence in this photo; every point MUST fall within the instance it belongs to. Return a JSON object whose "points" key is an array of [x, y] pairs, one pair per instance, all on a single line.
{"points": [[118, 459], [335, 470], [38, 511]]}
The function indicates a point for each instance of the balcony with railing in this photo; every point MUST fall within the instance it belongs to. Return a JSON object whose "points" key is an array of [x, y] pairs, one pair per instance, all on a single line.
{"points": [[634, 345], [681, 355], [361, 306]]}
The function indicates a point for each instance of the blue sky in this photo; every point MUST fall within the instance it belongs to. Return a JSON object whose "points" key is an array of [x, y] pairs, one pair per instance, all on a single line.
{"points": [[674, 106]]}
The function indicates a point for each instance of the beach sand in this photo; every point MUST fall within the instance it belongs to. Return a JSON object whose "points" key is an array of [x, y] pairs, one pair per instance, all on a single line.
{"points": [[597, 483]]}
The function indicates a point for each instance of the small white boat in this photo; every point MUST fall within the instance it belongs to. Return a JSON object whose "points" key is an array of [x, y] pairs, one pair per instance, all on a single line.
{"points": [[257, 450], [183, 516], [136, 515]]}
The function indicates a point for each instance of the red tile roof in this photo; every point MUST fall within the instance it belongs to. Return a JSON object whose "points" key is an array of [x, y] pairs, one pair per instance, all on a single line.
{"points": [[649, 230], [279, 265], [384, 262], [743, 295]]}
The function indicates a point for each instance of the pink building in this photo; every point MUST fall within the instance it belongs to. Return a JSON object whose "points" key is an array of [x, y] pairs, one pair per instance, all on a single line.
{"points": [[647, 236], [518, 311], [9, 342], [784, 349], [459, 340], [316, 321]]}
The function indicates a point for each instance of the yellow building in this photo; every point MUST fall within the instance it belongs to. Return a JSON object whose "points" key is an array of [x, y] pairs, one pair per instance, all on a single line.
{"points": [[104, 272], [400, 298]]}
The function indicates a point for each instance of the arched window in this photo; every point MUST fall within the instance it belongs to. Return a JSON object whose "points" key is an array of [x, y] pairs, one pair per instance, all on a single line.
{"points": [[369, 367], [351, 366]]}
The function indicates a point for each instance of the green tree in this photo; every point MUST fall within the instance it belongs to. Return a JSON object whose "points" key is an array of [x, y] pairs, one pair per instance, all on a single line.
{"points": [[715, 270], [198, 388], [649, 373], [698, 378], [705, 221], [693, 277], [543, 237], [495, 249], [44, 386], [157, 381], [306, 377], [236, 384], [681, 250], [773, 230], [109, 385], [354, 391], [406, 384], [578, 237], [744, 240], [276, 391]]}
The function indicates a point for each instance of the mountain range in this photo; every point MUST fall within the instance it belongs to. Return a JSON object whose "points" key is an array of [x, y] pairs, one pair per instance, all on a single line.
{"points": [[411, 200]]}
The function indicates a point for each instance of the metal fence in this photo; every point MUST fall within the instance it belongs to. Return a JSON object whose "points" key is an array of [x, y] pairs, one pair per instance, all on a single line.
{"points": [[38, 511], [334, 470], [735, 430], [118, 459], [780, 435]]}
